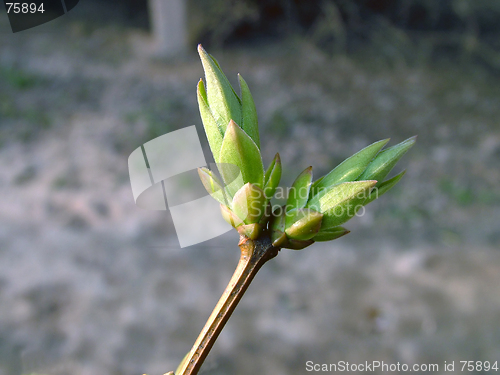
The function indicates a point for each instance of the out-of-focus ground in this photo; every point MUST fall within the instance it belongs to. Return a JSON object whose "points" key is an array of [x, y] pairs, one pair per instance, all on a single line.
{"points": [[91, 284]]}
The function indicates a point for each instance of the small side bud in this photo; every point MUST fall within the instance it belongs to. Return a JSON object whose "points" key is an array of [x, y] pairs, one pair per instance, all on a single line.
{"points": [[302, 224], [252, 231], [230, 217], [249, 203], [213, 186], [277, 227], [340, 202]]}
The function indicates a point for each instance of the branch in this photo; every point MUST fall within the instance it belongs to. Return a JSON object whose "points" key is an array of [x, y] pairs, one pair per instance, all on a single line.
{"points": [[254, 253]]}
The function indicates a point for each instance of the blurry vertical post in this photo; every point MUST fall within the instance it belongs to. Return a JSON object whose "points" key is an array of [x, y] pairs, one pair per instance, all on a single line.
{"points": [[169, 26], [27, 14], [163, 174]]}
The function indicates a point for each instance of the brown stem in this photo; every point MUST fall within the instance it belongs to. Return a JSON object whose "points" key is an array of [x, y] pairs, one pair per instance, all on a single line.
{"points": [[254, 253]]}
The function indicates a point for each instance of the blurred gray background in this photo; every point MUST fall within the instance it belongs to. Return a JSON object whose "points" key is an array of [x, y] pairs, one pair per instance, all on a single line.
{"points": [[91, 284]]}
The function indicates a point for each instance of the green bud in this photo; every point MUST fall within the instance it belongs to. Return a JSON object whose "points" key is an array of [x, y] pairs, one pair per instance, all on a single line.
{"points": [[384, 187], [302, 224], [329, 234], [314, 210], [272, 177], [252, 231], [380, 167], [230, 217], [213, 186], [221, 98], [250, 123], [299, 193], [213, 130], [240, 150], [249, 203], [351, 168], [340, 202], [277, 227]]}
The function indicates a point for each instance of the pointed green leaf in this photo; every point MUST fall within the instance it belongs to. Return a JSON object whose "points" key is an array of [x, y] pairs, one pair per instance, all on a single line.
{"points": [[250, 123], [329, 234], [384, 187], [351, 168], [249, 203], [272, 176], [240, 150], [386, 160], [299, 192], [340, 202], [222, 100], [270, 169], [302, 224], [218, 66], [212, 129], [213, 185]]}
